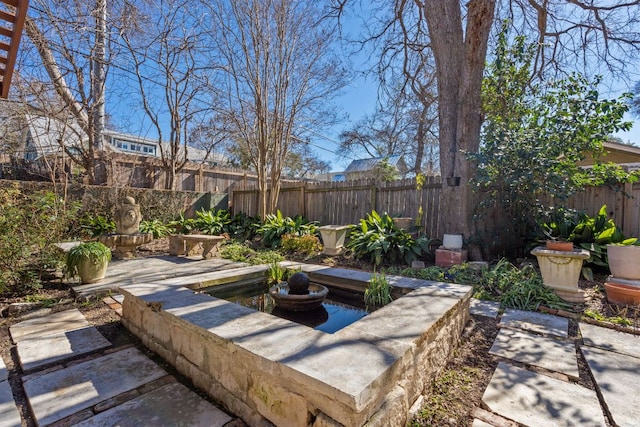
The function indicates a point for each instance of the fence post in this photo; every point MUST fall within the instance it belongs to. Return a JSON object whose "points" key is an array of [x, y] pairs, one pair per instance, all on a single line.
{"points": [[374, 195]]}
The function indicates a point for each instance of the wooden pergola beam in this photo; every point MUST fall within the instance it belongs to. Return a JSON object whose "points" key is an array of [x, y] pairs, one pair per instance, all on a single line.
{"points": [[13, 15]]}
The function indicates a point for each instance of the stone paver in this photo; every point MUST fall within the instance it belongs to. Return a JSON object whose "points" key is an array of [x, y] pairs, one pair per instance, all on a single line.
{"points": [[484, 308], [3, 370], [617, 377], [541, 323], [480, 423], [609, 339], [549, 353], [9, 415], [170, 405], [538, 400], [62, 321], [58, 394], [40, 351]]}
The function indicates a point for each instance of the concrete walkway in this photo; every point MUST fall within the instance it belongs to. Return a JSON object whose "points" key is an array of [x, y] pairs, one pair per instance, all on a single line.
{"points": [[536, 381], [73, 376]]}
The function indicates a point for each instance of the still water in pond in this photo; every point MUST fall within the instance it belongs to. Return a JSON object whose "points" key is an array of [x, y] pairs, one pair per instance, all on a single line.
{"points": [[337, 311]]}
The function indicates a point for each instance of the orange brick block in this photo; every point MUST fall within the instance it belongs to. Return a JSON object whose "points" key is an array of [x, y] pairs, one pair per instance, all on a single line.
{"points": [[446, 258]]}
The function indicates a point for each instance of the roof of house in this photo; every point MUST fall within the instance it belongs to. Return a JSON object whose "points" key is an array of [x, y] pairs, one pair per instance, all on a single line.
{"points": [[616, 152], [46, 132], [366, 165]]}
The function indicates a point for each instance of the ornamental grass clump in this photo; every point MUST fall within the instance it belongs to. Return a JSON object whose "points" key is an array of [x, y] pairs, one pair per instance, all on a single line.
{"points": [[378, 292]]}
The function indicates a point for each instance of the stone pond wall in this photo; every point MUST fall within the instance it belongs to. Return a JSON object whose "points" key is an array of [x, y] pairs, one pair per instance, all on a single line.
{"points": [[370, 373]]}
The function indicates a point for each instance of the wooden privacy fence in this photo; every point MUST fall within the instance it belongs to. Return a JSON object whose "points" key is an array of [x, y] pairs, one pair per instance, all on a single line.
{"points": [[348, 202], [125, 170]]}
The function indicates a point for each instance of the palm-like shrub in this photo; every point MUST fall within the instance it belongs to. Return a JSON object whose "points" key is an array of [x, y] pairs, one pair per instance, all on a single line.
{"points": [[378, 240], [276, 225]]}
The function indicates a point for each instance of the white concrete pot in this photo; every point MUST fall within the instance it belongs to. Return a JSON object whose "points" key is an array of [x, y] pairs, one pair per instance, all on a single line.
{"points": [[624, 261], [452, 241], [333, 237]]}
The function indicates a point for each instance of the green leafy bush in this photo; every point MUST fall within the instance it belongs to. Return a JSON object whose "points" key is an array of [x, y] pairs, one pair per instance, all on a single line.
{"points": [[308, 244], [183, 225], [378, 240], [276, 225], [155, 227], [513, 287], [239, 252], [97, 225], [242, 227], [29, 225], [213, 221]]}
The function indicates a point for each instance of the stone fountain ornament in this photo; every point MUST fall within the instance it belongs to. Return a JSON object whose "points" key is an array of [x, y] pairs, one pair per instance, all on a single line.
{"points": [[297, 294], [127, 237]]}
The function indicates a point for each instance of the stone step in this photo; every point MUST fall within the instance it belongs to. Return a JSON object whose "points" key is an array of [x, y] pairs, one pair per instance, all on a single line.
{"points": [[609, 339], [59, 394], [9, 415], [533, 399], [549, 353], [39, 352], [541, 323], [170, 405], [617, 377], [484, 308], [37, 327]]}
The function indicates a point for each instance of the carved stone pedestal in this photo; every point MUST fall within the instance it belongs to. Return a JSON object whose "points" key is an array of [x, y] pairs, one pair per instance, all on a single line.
{"points": [[561, 270]]}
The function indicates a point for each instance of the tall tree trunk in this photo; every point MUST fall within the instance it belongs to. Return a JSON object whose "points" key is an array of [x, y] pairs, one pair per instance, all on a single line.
{"points": [[98, 78], [459, 68]]}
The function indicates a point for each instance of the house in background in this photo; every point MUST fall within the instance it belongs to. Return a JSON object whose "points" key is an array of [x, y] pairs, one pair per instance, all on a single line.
{"points": [[369, 168], [616, 152], [43, 136]]}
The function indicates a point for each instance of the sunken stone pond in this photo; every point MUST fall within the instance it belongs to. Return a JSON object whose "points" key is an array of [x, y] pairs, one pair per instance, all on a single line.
{"points": [[270, 370]]}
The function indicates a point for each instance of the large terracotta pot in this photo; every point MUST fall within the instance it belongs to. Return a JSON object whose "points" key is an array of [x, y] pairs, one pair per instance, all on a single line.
{"points": [[624, 261], [618, 293]]}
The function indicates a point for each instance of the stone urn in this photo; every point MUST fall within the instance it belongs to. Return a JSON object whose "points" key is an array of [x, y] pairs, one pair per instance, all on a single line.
{"points": [[333, 237], [561, 271]]}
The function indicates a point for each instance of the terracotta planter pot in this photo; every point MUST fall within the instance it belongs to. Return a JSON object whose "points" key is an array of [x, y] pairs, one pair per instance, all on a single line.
{"points": [[624, 261], [622, 294], [554, 245]]}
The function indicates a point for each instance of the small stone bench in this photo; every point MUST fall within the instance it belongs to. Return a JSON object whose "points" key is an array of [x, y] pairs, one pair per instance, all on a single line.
{"points": [[185, 244]]}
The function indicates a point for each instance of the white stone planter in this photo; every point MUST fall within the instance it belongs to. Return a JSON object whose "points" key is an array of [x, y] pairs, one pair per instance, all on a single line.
{"points": [[453, 242], [561, 270], [403, 223], [333, 237], [624, 261]]}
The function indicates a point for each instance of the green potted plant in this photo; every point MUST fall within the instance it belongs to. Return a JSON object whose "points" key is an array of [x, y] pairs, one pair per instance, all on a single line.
{"points": [[88, 260]]}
